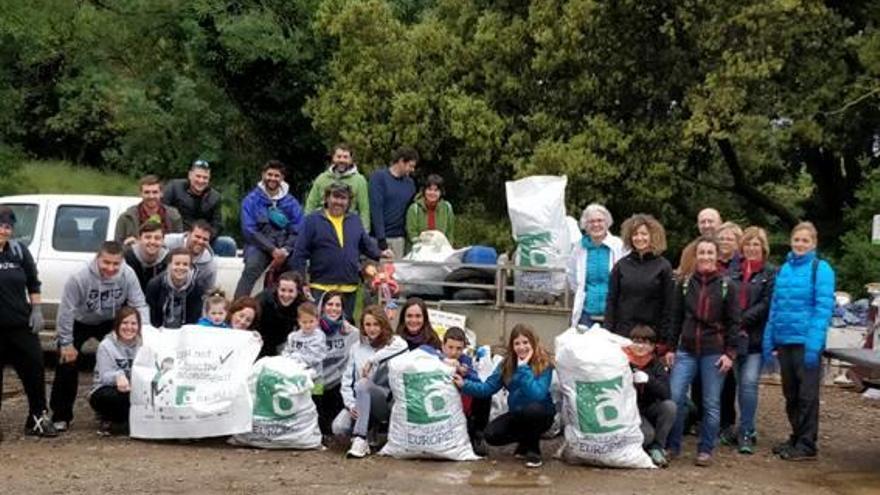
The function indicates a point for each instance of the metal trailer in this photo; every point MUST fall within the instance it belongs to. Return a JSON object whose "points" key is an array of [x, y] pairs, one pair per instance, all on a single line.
{"points": [[492, 319]]}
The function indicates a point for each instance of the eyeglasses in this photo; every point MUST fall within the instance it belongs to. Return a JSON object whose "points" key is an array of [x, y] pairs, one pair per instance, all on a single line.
{"points": [[201, 164]]}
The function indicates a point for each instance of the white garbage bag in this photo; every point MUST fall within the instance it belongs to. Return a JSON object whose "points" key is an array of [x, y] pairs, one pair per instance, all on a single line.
{"points": [[192, 382], [427, 420], [536, 206], [285, 416], [600, 409], [432, 246]]}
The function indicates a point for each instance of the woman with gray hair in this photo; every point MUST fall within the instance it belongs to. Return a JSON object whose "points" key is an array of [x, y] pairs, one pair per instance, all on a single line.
{"points": [[591, 263]]}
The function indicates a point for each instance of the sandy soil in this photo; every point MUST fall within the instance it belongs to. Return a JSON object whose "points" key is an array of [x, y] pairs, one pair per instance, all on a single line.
{"points": [[81, 462]]}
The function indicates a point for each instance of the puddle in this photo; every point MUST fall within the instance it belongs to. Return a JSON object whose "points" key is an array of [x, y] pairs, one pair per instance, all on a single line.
{"points": [[509, 479], [852, 483]]}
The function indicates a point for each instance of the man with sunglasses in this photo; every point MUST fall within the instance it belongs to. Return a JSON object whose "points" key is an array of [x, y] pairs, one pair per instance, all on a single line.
{"points": [[195, 199]]}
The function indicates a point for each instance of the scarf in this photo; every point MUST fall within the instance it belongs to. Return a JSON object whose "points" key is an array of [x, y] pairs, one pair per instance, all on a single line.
{"points": [[749, 267], [162, 219], [414, 341], [331, 327], [640, 362]]}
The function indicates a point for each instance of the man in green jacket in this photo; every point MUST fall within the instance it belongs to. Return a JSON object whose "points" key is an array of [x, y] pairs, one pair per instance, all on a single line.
{"points": [[429, 211], [342, 169]]}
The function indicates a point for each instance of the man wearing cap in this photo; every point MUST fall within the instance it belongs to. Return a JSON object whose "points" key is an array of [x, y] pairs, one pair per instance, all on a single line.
{"points": [[342, 169], [195, 199], [331, 241], [270, 221]]}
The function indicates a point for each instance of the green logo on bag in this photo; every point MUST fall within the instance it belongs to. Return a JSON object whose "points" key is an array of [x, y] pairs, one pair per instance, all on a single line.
{"points": [[425, 401], [534, 248], [598, 405], [275, 392]]}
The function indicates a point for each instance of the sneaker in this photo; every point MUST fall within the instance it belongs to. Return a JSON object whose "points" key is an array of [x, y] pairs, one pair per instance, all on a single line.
{"points": [[797, 454], [61, 426], [105, 429], [533, 460], [479, 446], [746, 445], [42, 427], [520, 452], [359, 448], [781, 447], [728, 437], [704, 459], [658, 457]]}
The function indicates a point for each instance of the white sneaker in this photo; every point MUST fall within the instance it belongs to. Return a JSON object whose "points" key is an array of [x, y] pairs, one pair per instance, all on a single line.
{"points": [[61, 425], [359, 448]]}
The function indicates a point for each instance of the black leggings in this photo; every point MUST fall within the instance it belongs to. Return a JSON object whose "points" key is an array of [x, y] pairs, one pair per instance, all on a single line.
{"points": [[66, 383], [524, 427], [21, 348], [110, 404]]}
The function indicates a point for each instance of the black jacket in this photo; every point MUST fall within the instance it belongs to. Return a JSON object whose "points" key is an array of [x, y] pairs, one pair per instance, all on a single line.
{"points": [[206, 207], [657, 388], [640, 291], [144, 273], [276, 321], [757, 310], [18, 278], [158, 296], [705, 315]]}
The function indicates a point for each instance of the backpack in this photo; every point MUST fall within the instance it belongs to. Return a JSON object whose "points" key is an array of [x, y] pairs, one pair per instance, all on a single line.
{"points": [[16, 250]]}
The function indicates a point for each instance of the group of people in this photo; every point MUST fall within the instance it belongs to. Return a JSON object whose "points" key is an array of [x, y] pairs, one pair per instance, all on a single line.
{"points": [[701, 331]]}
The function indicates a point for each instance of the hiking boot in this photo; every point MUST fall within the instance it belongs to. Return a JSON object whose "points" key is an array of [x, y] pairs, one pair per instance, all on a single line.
{"points": [[61, 426], [479, 446], [533, 460], [728, 436], [359, 448], [42, 427], [105, 429], [658, 457], [746, 445], [704, 459], [781, 447], [797, 454]]}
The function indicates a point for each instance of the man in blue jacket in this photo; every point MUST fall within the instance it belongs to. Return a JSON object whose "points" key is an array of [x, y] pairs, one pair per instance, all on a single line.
{"points": [[331, 241], [270, 221]]}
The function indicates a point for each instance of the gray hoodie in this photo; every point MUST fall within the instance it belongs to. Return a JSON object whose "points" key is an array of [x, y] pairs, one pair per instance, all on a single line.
{"points": [[311, 349], [205, 265], [114, 358], [339, 347], [89, 299]]}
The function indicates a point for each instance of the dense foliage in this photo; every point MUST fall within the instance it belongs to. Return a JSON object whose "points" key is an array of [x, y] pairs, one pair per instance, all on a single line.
{"points": [[767, 109]]}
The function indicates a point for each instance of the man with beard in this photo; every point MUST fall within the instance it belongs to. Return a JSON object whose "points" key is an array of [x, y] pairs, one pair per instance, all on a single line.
{"points": [[342, 169], [270, 221], [332, 241], [149, 209], [197, 241]]}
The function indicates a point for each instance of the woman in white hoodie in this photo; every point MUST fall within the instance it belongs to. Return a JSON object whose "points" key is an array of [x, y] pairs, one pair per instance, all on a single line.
{"points": [[112, 383], [364, 392]]}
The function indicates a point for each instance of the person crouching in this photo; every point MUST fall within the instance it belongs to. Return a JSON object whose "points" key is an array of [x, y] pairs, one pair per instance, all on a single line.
{"points": [[112, 383], [651, 379]]}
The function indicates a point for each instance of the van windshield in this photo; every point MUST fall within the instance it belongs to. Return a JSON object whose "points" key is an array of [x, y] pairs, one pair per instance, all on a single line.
{"points": [[25, 221]]}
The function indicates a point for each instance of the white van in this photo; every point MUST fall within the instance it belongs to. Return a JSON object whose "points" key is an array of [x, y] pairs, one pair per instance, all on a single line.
{"points": [[64, 231]]}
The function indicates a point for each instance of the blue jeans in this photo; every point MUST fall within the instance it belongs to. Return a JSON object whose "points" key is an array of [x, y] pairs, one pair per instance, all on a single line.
{"points": [[684, 371], [224, 246], [748, 370]]}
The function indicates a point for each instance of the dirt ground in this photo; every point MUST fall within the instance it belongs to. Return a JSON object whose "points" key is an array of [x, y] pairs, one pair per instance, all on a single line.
{"points": [[81, 462]]}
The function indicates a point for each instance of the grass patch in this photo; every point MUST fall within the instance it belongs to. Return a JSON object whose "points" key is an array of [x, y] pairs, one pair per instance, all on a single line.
{"points": [[53, 177]]}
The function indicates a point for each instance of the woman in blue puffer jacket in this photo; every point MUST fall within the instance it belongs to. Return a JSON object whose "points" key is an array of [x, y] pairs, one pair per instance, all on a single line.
{"points": [[800, 311]]}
